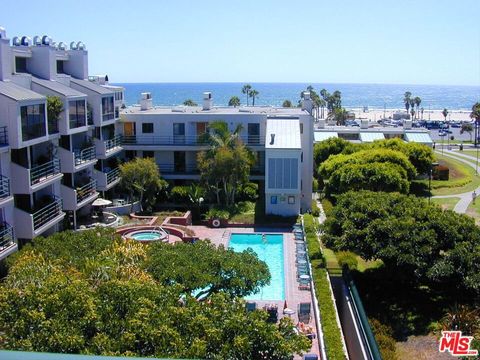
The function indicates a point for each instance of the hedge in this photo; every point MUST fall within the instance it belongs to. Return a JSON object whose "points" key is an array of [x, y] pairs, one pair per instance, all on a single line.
{"points": [[331, 332]]}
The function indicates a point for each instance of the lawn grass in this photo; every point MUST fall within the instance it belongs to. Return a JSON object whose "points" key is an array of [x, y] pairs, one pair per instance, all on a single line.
{"points": [[471, 152], [446, 203], [474, 211]]}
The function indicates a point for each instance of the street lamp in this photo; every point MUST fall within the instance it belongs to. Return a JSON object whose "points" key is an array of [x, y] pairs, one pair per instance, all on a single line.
{"points": [[432, 165]]}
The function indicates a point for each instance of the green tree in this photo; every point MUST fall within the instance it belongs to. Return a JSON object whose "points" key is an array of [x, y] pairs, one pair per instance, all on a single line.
{"points": [[330, 146], [141, 179], [406, 100], [253, 94], [287, 104], [475, 115], [54, 109], [466, 127], [445, 113], [234, 101], [417, 100], [246, 90], [190, 102]]}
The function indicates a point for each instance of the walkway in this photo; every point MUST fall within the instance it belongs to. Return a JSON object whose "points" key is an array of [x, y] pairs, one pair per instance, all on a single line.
{"points": [[465, 198]]}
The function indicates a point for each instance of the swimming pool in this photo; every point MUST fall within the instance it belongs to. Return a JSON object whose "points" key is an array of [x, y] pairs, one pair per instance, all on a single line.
{"points": [[269, 250]]}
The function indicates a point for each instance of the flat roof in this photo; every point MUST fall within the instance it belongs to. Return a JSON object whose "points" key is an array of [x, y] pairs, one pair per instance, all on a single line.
{"points": [[18, 93], [371, 136], [286, 134], [324, 135], [418, 137], [247, 110], [58, 87], [93, 87]]}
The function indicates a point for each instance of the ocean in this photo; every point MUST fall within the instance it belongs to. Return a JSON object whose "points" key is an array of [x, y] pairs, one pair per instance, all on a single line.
{"points": [[375, 96]]}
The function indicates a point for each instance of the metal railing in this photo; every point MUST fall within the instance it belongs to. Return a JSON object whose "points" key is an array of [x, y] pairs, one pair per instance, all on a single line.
{"points": [[182, 140], [45, 171], [6, 235], [3, 136], [86, 190], [176, 169], [4, 187], [108, 116], [84, 155], [47, 213], [113, 175], [113, 143], [77, 122]]}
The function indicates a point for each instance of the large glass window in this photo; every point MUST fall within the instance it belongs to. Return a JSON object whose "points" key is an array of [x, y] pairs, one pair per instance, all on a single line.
{"points": [[253, 133], [33, 121], [108, 110], [283, 173], [77, 113], [178, 133], [20, 64], [147, 128]]}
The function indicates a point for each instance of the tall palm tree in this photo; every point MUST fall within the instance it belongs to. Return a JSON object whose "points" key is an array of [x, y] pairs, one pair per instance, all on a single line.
{"points": [[445, 113], [246, 90], [406, 100], [475, 115], [253, 93], [412, 107], [220, 136], [417, 102]]}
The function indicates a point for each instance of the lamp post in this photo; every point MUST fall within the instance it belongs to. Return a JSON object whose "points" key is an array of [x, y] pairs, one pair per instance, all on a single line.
{"points": [[434, 164]]}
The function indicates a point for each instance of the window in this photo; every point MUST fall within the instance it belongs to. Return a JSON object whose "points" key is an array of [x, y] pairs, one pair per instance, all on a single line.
{"points": [[118, 96], [148, 154], [301, 157], [20, 64], [301, 128], [253, 133], [283, 173], [117, 112], [291, 200], [108, 111], [33, 121], [76, 113], [178, 133], [60, 67], [273, 200], [147, 128]]}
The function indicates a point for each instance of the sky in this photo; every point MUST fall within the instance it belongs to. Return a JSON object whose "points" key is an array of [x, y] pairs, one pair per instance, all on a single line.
{"points": [[312, 41]]}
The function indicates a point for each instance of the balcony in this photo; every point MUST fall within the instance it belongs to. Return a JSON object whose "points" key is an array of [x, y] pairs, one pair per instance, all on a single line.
{"points": [[106, 148], [30, 224], [176, 169], [74, 199], [182, 140], [8, 245], [76, 160], [3, 137], [29, 180], [5, 194], [107, 180]]}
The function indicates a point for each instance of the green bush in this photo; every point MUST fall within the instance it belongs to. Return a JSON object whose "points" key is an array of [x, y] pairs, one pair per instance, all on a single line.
{"points": [[315, 185], [248, 192], [315, 209], [385, 341], [347, 258], [179, 194], [215, 213]]}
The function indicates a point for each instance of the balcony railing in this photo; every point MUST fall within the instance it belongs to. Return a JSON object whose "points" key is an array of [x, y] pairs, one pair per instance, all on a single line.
{"points": [[108, 116], [44, 171], [4, 187], [84, 155], [52, 127], [182, 140], [176, 169], [6, 235], [86, 191], [113, 175], [76, 122], [113, 143], [3, 136], [47, 213]]}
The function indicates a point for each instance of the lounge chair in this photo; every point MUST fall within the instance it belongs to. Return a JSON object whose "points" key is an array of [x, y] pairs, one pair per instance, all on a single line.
{"points": [[304, 312], [251, 306], [310, 357], [304, 287]]}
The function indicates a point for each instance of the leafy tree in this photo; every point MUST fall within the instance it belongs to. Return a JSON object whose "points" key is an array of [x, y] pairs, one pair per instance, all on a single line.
{"points": [[475, 115], [466, 127], [445, 113], [246, 90], [406, 100], [253, 94], [54, 109], [141, 179], [331, 146], [287, 104], [234, 101], [190, 102], [421, 242]]}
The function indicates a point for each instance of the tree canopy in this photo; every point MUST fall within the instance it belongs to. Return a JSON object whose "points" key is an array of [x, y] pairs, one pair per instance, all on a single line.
{"points": [[92, 292], [422, 241], [190, 102], [234, 101]]}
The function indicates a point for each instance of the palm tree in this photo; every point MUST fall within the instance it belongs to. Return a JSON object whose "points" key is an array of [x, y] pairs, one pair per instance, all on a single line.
{"points": [[287, 104], [246, 90], [475, 115], [445, 114], [220, 136], [406, 99], [322, 103], [234, 101], [412, 108], [417, 102], [189, 102], [253, 93]]}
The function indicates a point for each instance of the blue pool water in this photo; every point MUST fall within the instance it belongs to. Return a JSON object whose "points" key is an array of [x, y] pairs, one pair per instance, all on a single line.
{"points": [[269, 250]]}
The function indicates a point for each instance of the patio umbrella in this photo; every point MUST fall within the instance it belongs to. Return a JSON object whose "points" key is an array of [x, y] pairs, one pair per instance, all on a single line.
{"points": [[101, 202]]}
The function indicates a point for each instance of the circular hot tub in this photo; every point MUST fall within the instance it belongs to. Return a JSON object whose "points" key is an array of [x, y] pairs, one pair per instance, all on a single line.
{"points": [[147, 235]]}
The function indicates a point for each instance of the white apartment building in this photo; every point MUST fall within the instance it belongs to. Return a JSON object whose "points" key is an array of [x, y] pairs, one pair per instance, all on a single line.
{"points": [[50, 168], [282, 139]]}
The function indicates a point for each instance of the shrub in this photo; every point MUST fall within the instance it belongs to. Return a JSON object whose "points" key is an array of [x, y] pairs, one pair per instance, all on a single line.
{"points": [[215, 213], [385, 341], [315, 185], [348, 259], [315, 209], [179, 194], [248, 192]]}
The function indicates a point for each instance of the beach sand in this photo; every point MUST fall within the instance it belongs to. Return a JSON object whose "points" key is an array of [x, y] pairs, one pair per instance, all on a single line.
{"points": [[377, 114]]}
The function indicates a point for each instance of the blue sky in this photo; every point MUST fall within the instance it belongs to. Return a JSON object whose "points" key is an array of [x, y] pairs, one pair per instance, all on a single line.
{"points": [[349, 41]]}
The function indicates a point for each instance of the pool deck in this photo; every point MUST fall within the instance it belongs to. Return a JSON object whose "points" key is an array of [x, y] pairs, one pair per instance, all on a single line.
{"points": [[293, 295]]}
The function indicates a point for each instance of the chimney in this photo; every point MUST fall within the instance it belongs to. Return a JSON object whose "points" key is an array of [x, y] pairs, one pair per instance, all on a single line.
{"points": [[146, 101], [207, 101], [407, 124], [307, 103], [5, 56], [364, 124]]}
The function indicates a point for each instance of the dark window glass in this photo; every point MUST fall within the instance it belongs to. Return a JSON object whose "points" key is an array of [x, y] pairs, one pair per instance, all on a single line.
{"points": [[147, 128], [20, 64], [179, 133], [77, 113], [108, 111], [148, 154], [60, 67], [253, 133], [33, 121]]}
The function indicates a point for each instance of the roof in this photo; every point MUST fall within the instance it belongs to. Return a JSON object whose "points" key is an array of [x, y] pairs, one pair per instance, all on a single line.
{"points": [[324, 135], [371, 136], [418, 137], [58, 87], [242, 110], [92, 87], [18, 93], [286, 134]]}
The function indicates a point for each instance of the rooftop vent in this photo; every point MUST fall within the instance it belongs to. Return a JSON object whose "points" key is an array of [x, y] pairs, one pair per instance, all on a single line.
{"points": [[146, 101], [81, 46], [37, 40], [62, 46], [26, 41], [46, 40], [3, 33], [16, 41], [73, 45], [272, 139], [207, 101]]}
